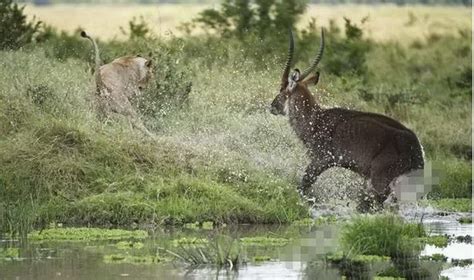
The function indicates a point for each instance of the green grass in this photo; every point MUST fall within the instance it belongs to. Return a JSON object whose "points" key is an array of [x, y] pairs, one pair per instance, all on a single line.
{"points": [[9, 254], [435, 257], [440, 241], [385, 235], [361, 259], [381, 235], [221, 252], [219, 157], [449, 204], [75, 170]]}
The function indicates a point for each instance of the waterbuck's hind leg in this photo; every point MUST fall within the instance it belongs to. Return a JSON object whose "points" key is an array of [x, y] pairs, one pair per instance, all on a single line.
{"points": [[384, 168]]}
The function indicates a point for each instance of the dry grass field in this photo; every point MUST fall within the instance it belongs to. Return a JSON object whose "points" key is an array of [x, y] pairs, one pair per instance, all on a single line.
{"points": [[384, 22]]}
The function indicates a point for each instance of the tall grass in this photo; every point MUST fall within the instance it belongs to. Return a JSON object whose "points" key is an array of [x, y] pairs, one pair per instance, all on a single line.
{"points": [[383, 235], [220, 156]]}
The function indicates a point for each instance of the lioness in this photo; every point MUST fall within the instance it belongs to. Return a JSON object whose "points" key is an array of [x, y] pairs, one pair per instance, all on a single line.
{"points": [[118, 81]]}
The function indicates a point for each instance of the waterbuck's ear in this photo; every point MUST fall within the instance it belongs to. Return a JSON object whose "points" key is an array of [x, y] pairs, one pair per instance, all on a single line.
{"points": [[148, 63], [312, 80]]}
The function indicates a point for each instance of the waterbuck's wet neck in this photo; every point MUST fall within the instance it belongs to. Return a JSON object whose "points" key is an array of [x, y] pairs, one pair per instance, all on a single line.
{"points": [[303, 113]]}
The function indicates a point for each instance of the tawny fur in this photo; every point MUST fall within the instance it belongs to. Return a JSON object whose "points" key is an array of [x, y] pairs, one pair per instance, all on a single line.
{"points": [[118, 81]]}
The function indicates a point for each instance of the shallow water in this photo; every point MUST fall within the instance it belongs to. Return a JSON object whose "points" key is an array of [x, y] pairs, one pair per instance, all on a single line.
{"points": [[453, 250], [299, 259]]}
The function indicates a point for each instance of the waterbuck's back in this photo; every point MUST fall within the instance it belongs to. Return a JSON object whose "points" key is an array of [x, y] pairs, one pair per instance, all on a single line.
{"points": [[358, 137]]}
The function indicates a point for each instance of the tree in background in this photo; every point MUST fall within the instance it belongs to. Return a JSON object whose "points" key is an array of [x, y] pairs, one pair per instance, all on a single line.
{"points": [[15, 31], [237, 17]]}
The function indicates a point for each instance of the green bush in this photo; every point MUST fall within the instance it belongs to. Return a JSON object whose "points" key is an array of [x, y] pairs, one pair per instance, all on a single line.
{"points": [[347, 55], [15, 31], [242, 16], [138, 29]]}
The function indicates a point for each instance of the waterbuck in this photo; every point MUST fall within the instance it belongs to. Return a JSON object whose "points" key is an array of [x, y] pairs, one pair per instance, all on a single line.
{"points": [[375, 146]]}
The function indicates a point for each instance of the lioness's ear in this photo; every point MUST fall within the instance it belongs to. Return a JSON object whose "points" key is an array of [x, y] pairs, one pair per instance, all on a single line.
{"points": [[312, 80], [148, 63]]}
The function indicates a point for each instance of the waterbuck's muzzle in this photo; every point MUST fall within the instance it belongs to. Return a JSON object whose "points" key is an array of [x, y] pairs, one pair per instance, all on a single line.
{"points": [[275, 108]]}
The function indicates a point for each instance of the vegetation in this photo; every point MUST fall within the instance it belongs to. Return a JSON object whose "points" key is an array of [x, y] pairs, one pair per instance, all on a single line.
{"points": [[218, 155], [127, 245], [461, 262], [435, 257], [264, 241], [240, 17], [125, 258], [382, 236], [222, 252], [15, 30], [464, 239], [398, 2], [465, 220], [440, 241], [86, 234], [449, 204], [9, 254]]}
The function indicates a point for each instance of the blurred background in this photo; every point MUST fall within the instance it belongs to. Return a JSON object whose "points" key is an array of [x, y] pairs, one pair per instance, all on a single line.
{"points": [[387, 17]]}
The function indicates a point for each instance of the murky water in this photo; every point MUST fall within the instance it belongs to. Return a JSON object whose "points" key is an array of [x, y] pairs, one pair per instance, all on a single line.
{"points": [[301, 258]]}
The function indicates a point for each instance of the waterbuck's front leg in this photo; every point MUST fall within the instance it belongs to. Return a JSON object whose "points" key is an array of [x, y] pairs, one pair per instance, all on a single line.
{"points": [[314, 169]]}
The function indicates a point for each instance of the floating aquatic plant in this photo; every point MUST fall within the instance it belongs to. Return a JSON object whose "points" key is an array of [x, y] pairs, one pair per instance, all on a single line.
{"points": [[124, 258], [264, 241], [85, 234]]}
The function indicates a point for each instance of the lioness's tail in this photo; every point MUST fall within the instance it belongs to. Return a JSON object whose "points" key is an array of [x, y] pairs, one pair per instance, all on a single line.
{"points": [[98, 63]]}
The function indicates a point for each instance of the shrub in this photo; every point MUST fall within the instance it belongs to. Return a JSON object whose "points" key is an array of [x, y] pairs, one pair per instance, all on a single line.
{"points": [[138, 28], [237, 17], [347, 55], [15, 31]]}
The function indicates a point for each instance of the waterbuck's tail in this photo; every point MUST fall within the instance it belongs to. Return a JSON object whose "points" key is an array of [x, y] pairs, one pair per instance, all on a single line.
{"points": [[98, 62]]}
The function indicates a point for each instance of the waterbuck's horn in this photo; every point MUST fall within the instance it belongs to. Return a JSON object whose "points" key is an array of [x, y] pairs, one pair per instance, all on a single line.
{"points": [[316, 60], [286, 71]]}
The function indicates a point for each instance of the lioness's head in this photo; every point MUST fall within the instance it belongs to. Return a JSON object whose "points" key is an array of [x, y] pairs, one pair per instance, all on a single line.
{"points": [[145, 71]]}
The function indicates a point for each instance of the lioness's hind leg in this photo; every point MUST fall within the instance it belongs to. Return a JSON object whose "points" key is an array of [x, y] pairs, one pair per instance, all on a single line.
{"points": [[137, 124]]}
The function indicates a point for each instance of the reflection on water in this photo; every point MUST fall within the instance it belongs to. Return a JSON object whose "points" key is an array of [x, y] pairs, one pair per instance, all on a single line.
{"points": [[269, 270], [460, 273], [300, 259], [453, 250]]}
